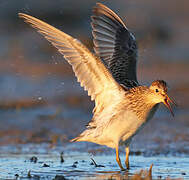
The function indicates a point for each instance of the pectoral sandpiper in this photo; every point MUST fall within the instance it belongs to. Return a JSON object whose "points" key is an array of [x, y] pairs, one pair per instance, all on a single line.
{"points": [[122, 105]]}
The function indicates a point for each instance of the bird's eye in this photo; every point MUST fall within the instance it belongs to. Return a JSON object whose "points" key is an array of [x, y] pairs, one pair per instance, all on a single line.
{"points": [[157, 90]]}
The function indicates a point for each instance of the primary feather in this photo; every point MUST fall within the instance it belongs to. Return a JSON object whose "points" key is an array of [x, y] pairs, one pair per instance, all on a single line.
{"points": [[88, 68], [115, 45]]}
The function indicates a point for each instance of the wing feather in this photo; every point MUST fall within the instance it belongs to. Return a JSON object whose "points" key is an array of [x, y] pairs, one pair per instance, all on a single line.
{"points": [[115, 45], [89, 70]]}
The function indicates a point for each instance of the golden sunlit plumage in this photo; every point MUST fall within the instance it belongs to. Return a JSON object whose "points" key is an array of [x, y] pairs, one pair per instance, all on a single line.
{"points": [[122, 106]]}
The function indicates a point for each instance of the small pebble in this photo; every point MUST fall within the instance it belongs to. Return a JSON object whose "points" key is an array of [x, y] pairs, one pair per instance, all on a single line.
{"points": [[59, 177], [74, 166], [33, 159], [46, 165]]}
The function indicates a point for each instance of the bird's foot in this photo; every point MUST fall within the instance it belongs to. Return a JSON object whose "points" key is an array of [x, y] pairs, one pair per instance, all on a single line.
{"points": [[123, 169], [127, 165]]}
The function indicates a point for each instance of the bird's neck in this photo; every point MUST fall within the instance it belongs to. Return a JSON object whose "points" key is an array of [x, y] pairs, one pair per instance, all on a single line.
{"points": [[139, 103]]}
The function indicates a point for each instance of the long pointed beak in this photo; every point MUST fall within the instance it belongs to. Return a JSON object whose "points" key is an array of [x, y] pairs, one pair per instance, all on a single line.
{"points": [[166, 102]]}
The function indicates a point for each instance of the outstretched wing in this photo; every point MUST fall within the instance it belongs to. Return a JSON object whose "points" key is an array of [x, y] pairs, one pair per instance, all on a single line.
{"points": [[89, 70], [115, 45]]}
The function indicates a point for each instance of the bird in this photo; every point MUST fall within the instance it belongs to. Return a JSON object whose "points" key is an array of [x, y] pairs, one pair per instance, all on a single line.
{"points": [[122, 105]]}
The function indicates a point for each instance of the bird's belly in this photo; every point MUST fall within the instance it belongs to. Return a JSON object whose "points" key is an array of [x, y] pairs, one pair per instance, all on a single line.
{"points": [[124, 127], [127, 136], [136, 125]]}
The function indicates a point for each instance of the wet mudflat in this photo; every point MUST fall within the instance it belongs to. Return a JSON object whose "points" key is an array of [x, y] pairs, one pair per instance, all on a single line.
{"points": [[77, 165]]}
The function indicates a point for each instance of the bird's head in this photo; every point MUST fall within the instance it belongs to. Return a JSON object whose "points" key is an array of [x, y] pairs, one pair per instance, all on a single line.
{"points": [[158, 94]]}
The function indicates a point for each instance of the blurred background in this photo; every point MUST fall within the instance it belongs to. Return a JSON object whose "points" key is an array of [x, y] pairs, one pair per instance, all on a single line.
{"points": [[40, 99]]}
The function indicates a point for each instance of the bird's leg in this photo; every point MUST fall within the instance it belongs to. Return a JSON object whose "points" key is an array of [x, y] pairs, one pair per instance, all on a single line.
{"points": [[127, 157], [118, 159]]}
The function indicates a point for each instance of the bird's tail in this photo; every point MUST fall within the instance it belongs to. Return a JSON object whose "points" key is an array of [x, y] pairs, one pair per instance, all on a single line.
{"points": [[77, 139], [84, 136]]}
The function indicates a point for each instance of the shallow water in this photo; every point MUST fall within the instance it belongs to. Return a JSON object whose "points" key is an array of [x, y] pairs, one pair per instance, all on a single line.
{"points": [[78, 166]]}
